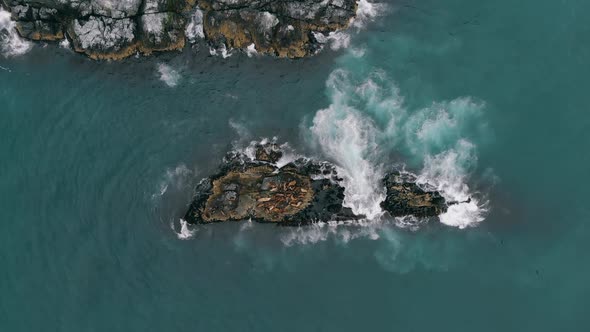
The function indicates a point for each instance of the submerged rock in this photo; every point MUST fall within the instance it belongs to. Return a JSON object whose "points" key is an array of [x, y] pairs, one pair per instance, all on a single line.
{"points": [[299, 193], [106, 29]]}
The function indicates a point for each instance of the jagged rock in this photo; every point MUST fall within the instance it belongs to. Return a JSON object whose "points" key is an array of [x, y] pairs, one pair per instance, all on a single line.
{"points": [[162, 32], [103, 37], [270, 153], [301, 192], [41, 30], [404, 197], [107, 29], [280, 28], [262, 192]]}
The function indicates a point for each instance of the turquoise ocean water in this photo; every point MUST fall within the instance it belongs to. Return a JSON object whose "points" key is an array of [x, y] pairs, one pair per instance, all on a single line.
{"points": [[98, 162]]}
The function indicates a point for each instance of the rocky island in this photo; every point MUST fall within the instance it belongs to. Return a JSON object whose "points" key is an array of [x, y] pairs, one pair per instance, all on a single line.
{"points": [[301, 192], [115, 29]]}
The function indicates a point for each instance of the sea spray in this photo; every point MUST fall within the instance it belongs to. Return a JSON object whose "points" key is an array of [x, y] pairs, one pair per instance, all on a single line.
{"points": [[366, 12], [447, 172], [349, 140], [341, 39], [186, 231], [353, 141], [367, 123], [11, 44]]}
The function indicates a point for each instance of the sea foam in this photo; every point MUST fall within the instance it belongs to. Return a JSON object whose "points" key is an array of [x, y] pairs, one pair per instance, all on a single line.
{"points": [[11, 44], [168, 75], [186, 231], [367, 122], [341, 39]]}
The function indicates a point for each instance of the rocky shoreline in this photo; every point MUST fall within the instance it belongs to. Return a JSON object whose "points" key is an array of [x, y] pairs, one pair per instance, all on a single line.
{"points": [[299, 193], [107, 29]]}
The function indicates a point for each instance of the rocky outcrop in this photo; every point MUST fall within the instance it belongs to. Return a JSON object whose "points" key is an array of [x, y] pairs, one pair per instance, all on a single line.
{"points": [[282, 28], [404, 197], [107, 29], [299, 193]]}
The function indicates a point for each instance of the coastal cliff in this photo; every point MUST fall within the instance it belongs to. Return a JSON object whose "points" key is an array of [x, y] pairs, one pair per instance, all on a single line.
{"points": [[105, 29]]}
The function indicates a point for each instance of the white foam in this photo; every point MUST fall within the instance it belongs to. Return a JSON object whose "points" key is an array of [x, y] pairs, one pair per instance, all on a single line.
{"points": [[168, 75], [194, 30], [358, 52], [335, 39], [221, 51], [185, 232], [366, 12], [289, 155], [342, 231], [11, 44], [447, 172], [367, 121], [65, 43], [349, 140], [251, 50]]}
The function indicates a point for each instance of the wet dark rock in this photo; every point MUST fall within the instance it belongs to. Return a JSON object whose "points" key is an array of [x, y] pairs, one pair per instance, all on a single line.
{"points": [[404, 197], [299, 193], [269, 152], [104, 29], [282, 28], [262, 192]]}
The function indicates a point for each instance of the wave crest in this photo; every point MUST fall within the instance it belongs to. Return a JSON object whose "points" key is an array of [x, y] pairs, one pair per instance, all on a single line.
{"points": [[367, 125]]}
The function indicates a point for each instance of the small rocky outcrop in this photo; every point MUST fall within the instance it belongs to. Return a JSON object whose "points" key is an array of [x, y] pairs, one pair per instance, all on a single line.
{"points": [[106, 29], [299, 193], [404, 197]]}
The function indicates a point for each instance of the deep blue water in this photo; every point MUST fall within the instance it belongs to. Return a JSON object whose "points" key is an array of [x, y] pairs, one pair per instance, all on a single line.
{"points": [[98, 161]]}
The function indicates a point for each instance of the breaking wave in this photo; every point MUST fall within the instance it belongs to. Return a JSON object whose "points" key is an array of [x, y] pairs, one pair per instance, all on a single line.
{"points": [[288, 154], [11, 44], [367, 128], [366, 12], [221, 51]]}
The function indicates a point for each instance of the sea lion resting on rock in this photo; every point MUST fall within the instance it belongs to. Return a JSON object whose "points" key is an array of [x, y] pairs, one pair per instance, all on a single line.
{"points": [[299, 193]]}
